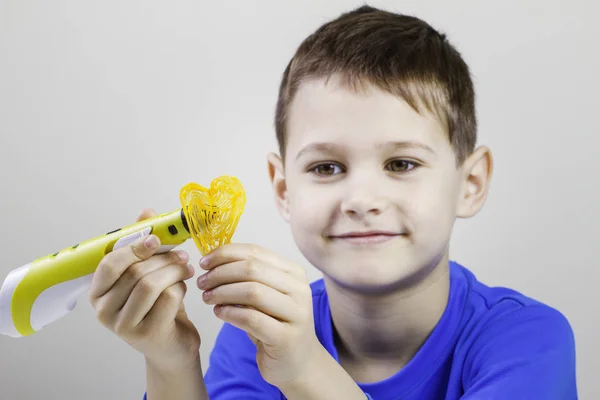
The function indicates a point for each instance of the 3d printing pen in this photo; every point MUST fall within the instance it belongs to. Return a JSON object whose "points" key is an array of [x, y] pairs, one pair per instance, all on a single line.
{"points": [[48, 288]]}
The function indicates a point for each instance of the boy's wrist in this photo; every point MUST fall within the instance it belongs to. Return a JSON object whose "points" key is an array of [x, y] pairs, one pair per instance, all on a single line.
{"points": [[159, 366], [323, 378], [186, 383]]}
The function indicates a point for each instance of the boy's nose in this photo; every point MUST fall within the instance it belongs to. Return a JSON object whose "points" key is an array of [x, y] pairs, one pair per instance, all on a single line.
{"points": [[360, 204]]}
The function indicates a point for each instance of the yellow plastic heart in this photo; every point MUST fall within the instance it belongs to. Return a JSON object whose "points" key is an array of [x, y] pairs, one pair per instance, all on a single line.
{"points": [[213, 213]]}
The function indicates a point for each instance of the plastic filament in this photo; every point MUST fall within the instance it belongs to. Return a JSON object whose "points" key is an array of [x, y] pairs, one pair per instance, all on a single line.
{"points": [[213, 213]]}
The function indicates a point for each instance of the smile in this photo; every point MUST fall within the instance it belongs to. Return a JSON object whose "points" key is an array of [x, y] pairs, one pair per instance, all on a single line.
{"points": [[365, 237]]}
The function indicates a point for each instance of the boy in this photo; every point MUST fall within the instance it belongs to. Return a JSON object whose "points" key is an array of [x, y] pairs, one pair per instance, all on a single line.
{"points": [[376, 127]]}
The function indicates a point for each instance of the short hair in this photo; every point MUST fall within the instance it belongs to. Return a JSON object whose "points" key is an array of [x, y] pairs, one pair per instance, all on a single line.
{"points": [[397, 53]]}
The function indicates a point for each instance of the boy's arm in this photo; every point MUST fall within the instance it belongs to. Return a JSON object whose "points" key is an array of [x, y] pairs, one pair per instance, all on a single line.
{"points": [[526, 354], [277, 312], [325, 380], [186, 384], [233, 374]]}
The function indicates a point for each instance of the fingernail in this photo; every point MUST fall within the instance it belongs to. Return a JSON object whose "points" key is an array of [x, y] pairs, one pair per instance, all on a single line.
{"points": [[204, 261], [206, 295], [191, 269], [183, 256], [151, 242], [202, 281]]}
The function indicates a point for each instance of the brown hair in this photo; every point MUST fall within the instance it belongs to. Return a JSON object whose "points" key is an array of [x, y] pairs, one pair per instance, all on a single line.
{"points": [[400, 54]]}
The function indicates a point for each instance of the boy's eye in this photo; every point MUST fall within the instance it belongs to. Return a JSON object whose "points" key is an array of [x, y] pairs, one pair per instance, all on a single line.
{"points": [[401, 165], [327, 169]]}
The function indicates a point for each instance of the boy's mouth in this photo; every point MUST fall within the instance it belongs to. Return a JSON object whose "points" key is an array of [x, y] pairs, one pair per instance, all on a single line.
{"points": [[366, 237]]}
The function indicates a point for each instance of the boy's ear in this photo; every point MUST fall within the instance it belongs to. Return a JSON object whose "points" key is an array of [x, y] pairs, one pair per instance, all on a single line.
{"points": [[476, 177], [277, 176]]}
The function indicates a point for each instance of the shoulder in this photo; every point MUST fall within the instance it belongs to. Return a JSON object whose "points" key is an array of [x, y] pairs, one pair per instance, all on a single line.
{"points": [[493, 308], [509, 335]]}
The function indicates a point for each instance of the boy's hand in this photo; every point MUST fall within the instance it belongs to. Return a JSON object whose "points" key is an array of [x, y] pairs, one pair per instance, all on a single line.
{"points": [[139, 296], [269, 298]]}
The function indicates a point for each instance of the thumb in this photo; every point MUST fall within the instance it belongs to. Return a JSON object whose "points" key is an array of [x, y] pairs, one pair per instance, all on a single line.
{"points": [[142, 249], [145, 214]]}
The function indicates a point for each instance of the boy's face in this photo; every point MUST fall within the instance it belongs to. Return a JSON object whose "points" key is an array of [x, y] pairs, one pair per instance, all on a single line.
{"points": [[368, 165]]}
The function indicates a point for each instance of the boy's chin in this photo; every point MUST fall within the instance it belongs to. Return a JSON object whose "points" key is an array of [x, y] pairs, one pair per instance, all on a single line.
{"points": [[373, 278]]}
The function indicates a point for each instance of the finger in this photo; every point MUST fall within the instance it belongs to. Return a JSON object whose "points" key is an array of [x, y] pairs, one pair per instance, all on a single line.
{"points": [[255, 323], [241, 251], [145, 214], [166, 308], [113, 300], [249, 271], [112, 265], [256, 295], [146, 292], [99, 284]]}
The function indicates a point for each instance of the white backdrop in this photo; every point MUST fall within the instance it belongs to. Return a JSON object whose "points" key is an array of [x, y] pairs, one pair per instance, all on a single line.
{"points": [[108, 107]]}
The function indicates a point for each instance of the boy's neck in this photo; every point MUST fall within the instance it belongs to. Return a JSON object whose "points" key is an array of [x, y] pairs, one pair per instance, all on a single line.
{"points": [[385, 332]]}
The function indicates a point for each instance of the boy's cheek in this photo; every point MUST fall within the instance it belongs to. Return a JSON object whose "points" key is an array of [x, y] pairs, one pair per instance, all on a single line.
{"points": [[432, 229], [429, 212], [306, 221], [309, 208]]}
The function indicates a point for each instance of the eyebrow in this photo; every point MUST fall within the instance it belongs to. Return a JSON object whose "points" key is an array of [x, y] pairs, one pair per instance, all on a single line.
{"points": [[398, 145]]}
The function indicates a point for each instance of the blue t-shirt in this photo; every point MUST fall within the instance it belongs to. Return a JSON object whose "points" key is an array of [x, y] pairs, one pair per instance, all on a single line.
{"points": [[491, 343]]}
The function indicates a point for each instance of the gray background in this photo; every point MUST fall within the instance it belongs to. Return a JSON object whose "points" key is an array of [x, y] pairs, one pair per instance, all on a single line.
{"points": [[107, 107]]}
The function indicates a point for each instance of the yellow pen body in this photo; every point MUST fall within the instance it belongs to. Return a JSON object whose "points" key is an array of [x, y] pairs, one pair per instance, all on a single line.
{"points": [[47, 289]]}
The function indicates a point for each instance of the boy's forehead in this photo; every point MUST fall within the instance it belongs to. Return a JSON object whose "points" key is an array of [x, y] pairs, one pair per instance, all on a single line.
{"points": [[332, 112]]}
